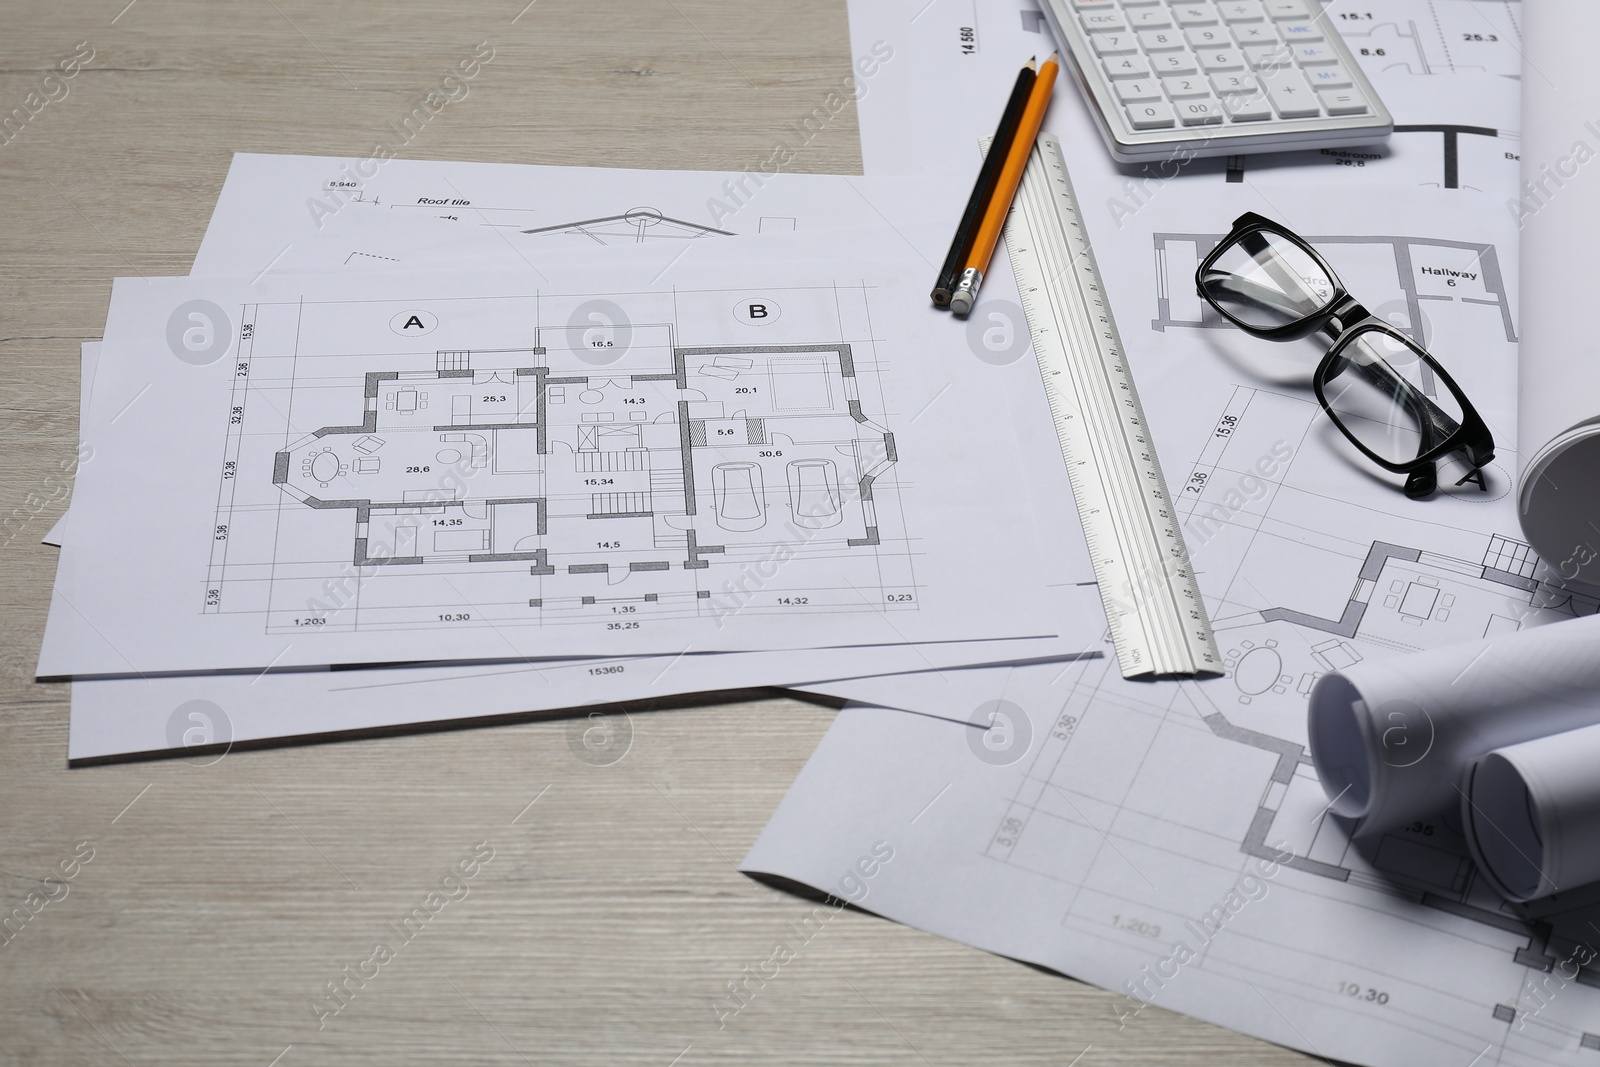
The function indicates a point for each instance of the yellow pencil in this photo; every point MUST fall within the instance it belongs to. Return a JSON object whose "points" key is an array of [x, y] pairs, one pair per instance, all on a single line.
{"points": [[965, 293]]}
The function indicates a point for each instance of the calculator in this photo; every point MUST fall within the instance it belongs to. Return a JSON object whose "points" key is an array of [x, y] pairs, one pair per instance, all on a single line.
{"points": [[1180, 80]]}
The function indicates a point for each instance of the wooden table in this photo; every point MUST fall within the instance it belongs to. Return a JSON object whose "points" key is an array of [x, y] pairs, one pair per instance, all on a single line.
{"points": [[221, 900]]}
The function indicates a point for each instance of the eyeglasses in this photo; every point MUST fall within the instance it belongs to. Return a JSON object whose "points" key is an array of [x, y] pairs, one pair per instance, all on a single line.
{"points": [[1381, 389]]}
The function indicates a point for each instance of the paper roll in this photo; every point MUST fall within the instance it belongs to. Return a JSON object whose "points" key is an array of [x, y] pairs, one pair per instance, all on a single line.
{"points": [[1558, 432], [1392, 739], [1532, 814]]}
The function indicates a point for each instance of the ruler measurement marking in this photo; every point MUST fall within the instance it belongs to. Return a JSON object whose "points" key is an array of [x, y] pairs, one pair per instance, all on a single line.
{"points": [[1153, 607]]}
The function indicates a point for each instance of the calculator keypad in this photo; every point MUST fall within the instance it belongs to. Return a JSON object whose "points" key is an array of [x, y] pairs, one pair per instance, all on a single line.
{"points": [[1200, 63]]}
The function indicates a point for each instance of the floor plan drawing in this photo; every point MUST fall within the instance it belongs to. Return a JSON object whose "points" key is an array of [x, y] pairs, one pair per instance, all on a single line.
{"points": [[1254, 719], [534, 449], [610, 465], [719, 456], [1431, 37], [1454, 141], [1418, 273], [1342, 601], [1134, 809]]}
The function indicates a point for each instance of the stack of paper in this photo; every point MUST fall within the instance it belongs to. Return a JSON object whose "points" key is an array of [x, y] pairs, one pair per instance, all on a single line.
{"points": [[508, 440], [1170, 841]]}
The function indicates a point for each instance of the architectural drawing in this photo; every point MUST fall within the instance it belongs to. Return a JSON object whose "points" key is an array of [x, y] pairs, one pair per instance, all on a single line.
{"points": [[1298, 589], [634, 226], [1438, 36], [618, 449], [1249, 727], [1255, 715], [608, 467], [1418, 272], [1450, 147]]}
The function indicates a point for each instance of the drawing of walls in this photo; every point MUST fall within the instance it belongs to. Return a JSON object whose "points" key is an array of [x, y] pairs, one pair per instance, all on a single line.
{"points": [[1398, 592], [647, 459], [1439, 38], [1341, 604], [1417, 272]]}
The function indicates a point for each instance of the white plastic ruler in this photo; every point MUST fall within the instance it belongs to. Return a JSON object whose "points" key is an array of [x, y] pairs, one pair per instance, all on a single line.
{"points": [[1158, 621]]}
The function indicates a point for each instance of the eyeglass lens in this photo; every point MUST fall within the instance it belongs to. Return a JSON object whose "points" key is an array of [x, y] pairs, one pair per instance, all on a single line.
{"points": [[1385, 396], [1265, 280]]}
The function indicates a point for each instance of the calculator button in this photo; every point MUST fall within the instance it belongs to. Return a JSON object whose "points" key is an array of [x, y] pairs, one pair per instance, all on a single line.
{"points": [[1343, 102], [1137, 91], [1252, 107], [1152, 116], [1332, 76], [1219, 59], [1269, 57], [1199, 112], [1127, 67], [1208, 37], [1281, 10], [1255, 35], [1174, 63], [1296, 32], [1195, 14], [1095, 21], [1231, 84], [1160, 40], [1311, 54], [1240, 11], [1087, 5], [1289, 94], [1152, 19], [1183, 88], [1114, 44]]}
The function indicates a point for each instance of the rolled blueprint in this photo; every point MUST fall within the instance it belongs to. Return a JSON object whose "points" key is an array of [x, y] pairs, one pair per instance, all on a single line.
{"points": [[1558, 405], [1392, 739], [1532, 814]]}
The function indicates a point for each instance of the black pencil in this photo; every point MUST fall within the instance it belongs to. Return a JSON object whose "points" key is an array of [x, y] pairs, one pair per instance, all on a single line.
{"points": [[983, 189]]}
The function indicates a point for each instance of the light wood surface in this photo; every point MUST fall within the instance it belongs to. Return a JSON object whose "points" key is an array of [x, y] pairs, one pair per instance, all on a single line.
{"points": [[221, 899]]}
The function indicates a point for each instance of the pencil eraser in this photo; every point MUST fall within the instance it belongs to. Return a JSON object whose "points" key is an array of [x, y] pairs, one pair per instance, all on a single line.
{"points": [[965, 293]]}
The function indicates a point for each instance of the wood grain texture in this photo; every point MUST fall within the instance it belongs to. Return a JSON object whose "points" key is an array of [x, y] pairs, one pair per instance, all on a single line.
{"points": [[221, 899]]}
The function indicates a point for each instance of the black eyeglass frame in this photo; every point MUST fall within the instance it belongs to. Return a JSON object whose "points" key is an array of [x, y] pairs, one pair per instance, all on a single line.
{"points": [[1344, 320]]}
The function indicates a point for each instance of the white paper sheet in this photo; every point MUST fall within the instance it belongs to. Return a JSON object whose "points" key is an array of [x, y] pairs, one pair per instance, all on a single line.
{"points": [[121, 716], [326, 334], [1120, 847], [115, 717], [1308, 566], [886, 143], [1097, 824], [1531, 813], [276, 214], [1393, 738], [1559, 208], [910, 216]]}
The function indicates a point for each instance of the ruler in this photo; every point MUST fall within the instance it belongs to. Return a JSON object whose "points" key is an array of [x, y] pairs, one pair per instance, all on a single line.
{"points": [[1158, 622]]}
